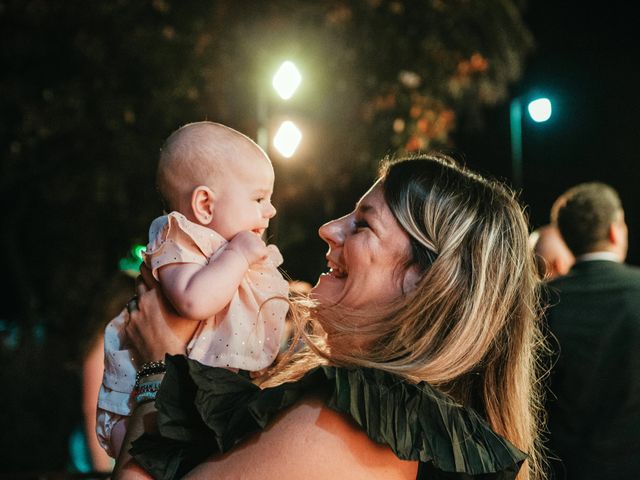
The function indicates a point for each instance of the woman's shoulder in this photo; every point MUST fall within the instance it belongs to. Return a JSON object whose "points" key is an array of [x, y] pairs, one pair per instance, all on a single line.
{"points": [[205, 411], [309, 440]]}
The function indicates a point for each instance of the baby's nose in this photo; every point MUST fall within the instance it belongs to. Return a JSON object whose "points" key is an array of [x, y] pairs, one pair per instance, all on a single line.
{"points": [[270, 211]]}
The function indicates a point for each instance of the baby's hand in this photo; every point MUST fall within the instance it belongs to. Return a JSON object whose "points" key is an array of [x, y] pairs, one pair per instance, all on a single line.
{"points": [[250, 245]]}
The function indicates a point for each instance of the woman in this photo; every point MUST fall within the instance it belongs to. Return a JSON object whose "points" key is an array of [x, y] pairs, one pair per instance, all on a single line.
{"points": [[431, 280]]}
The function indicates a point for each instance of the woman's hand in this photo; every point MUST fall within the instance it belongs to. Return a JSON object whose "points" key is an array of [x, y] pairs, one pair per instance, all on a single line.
{"points": [[147, 277], [155, 329]]}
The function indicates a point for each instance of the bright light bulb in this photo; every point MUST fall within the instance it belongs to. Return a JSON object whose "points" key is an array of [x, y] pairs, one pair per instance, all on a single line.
{"points": [[287, 139], [286, 80], [540, 110]]}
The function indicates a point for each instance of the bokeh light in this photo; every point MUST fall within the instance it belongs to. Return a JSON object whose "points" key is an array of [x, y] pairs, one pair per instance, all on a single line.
{"points": [[540, 109], [287, 80], [287, 139]]}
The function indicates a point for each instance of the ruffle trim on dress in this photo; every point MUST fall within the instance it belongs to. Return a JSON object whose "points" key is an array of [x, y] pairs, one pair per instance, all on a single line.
{"points": [[204, 410], [174, 239]]}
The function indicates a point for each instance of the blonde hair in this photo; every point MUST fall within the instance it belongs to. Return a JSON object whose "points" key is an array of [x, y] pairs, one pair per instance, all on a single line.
{"points": [[470, 327]]}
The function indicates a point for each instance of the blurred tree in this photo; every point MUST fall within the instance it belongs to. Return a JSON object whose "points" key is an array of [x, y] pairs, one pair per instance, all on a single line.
{"points": [[90, 90], [379, 77]]}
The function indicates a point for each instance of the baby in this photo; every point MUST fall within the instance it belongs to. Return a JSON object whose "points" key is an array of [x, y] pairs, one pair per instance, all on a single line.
{"points": [[211, 262]]}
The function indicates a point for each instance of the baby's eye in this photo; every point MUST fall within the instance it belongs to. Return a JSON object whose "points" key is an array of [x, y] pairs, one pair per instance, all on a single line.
{"points": [[260, 200]]}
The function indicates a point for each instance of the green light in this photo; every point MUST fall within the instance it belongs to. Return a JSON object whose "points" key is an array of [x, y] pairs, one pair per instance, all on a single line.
{"points": [[137, 251], [128, 265], [131, 263]]}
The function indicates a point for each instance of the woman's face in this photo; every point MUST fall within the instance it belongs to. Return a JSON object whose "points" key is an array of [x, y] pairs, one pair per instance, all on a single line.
{"points": [[367, 252]]}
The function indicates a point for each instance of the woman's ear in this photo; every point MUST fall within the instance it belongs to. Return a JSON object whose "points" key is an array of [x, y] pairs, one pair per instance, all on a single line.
{"points": [[411, 278], [203, 204]]}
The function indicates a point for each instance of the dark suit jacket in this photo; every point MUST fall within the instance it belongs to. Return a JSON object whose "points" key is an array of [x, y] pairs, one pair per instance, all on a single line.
{"points": [[594, 404]]}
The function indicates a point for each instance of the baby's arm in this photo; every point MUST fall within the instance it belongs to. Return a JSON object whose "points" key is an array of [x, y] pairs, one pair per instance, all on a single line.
{"points": [[199, 292]]}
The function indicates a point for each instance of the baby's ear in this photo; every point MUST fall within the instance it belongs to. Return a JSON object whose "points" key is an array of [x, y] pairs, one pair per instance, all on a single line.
{"points": [[202, 204]]}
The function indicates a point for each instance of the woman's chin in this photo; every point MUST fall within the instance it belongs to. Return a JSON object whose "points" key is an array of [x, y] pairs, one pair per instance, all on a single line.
{"points": [[328, 290]]}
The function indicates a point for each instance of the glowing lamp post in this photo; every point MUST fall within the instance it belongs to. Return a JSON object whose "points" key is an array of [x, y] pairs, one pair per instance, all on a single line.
{"points": [[285, 82], [285, 142], [540, 111]]}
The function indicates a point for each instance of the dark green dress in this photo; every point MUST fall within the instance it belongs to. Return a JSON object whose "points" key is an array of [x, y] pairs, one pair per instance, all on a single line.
{"points": [[204, 410]]}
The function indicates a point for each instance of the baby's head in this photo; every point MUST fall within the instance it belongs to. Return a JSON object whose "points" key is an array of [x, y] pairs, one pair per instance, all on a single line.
{"points": [[217, 177]]}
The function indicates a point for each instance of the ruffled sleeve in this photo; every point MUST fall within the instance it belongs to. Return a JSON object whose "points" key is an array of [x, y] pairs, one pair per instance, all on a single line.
{"points": [[174, 239], [420, 423], [204, 410]]}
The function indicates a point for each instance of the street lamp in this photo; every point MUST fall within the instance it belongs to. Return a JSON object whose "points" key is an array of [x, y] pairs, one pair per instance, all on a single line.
{"points": [[285, 82], [540, 111]]}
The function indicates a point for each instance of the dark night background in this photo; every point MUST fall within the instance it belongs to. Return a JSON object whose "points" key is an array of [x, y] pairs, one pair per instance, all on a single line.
{"points": [[90, 91], [587, 62]]}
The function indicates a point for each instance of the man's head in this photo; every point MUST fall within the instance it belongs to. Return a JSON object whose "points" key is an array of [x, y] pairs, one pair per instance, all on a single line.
{"points": [[553, 258], [590, 219]]}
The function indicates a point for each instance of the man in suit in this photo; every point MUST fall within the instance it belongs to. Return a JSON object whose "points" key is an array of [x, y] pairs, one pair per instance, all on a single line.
{"points": [[594, 315]]}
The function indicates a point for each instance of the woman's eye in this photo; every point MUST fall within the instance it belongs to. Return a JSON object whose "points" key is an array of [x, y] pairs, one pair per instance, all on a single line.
{"points": [[360, 224]]}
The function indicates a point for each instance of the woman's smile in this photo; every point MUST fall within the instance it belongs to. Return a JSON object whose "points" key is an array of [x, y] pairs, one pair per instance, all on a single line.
{"points": [[336, 271]]}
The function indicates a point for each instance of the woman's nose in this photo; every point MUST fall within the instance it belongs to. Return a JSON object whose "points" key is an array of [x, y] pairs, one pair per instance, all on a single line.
{"points": [[334, 232]]}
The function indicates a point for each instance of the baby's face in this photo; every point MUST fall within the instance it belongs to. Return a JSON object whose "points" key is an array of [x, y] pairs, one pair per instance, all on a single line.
{"points": [[243, 199]]}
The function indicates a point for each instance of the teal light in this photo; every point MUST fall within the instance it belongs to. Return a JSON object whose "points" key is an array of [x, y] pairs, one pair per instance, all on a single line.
{"points": [[540, 110], [79, 451]]}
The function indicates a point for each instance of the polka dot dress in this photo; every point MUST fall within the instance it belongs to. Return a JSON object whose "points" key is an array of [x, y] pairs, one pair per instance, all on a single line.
{"points": [[245, 335]]}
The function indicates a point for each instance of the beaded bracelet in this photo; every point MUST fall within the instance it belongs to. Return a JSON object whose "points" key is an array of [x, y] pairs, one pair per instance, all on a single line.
{"points": [[144, 397], [148, 369], [146, 392], [152, 386]]}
